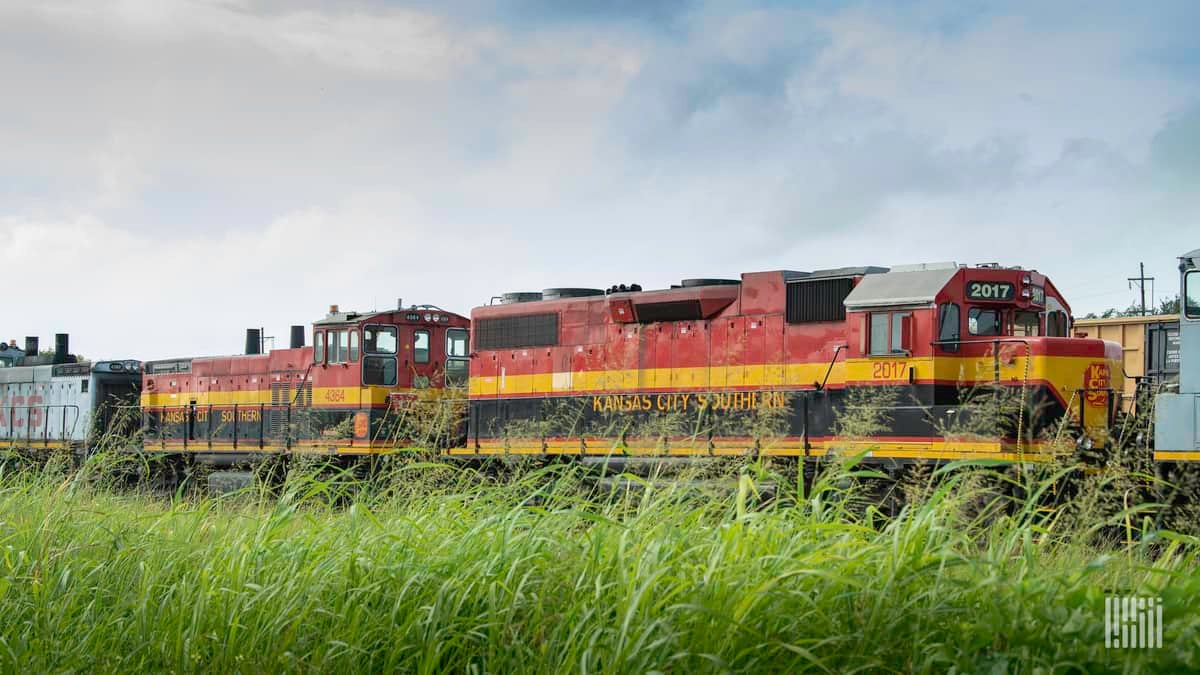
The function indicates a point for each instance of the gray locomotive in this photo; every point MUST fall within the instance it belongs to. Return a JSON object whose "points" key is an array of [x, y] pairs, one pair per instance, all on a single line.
{"points": [[55, 400]]}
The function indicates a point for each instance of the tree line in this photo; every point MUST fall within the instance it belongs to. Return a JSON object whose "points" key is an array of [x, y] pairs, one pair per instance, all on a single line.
{"points": [[1165, 306]]}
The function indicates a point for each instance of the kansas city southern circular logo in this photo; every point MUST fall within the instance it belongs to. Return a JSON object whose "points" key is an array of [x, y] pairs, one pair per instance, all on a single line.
{"points": [[1096, 382]]}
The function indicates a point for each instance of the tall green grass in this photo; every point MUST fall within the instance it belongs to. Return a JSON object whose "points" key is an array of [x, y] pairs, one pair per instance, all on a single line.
{"points": [[443, 570]]}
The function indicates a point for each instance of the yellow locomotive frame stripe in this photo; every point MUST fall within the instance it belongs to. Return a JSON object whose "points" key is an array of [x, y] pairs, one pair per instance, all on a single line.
{"points": [[321, 396], [890, 449], [1176, 456], [1065, 372], [36, 444]]}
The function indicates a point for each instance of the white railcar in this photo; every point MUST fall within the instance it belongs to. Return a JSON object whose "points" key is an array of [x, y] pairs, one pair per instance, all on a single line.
{"points": [[55, 405]]}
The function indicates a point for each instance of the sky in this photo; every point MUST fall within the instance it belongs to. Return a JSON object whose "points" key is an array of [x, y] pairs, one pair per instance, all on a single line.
{"points": [[173, 172]]}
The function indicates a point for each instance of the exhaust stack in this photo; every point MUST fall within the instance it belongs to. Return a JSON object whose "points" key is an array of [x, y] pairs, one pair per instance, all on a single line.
{"points": [[62, 348], [253, 341]]}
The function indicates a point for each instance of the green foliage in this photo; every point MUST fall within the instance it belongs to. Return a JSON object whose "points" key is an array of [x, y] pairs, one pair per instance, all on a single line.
{"points": [[441, 569], [1165, 306]]}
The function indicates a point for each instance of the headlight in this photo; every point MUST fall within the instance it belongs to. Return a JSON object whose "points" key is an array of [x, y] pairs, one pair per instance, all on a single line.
{"points": [[1085, 442]]}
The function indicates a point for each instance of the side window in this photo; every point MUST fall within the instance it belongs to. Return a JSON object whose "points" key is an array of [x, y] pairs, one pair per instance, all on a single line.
{"points": [[456, 372], [343, 346], [334, 346], [354, 345], [379, 340], [982, 321], [421, 346], [1056, 324], [457, 365], [888, 333], [379, 370], [1191, 294], [318, 346], [1027, 324], [949, 323], [900, 323], [879, 334], [456, 343]]}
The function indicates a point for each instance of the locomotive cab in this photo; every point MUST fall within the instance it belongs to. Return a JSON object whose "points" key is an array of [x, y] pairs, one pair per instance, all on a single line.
{"points": [[946, 331], [339, 396], [374, 365], [1177, 414], [415, 348]]}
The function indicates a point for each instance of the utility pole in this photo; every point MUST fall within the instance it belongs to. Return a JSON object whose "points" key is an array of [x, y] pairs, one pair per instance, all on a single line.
{"points": [[1141, 280]]}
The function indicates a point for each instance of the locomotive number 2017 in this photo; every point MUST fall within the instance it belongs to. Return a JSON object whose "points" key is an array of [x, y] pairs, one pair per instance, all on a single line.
{"points": [[989, 290], [889, 370]]}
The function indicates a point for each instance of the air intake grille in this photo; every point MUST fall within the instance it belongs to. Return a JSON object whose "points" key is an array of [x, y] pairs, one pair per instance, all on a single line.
{"points": [[507, 332], [676, 310], [280, 399], [818, 300]]}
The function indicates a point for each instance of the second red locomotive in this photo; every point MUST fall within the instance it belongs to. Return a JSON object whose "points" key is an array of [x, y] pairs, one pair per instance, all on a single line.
{"points": [[594, 373]]}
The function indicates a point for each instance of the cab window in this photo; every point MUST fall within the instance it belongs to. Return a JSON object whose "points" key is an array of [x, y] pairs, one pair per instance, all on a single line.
{"points": [[421, 346], [333, 339], [982, 321], [456, 343], [1191, 294], [1027, 324], [457, 372], [949, 325], [354, 345], [888, 333], [1056, 324], [379, 339], [379, 370], [339, 346], [318, 346], [457, 365]]}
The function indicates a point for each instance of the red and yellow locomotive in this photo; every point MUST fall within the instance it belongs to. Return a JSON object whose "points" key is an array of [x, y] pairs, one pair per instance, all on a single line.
{"points": [[344, 395], [595, 373]]}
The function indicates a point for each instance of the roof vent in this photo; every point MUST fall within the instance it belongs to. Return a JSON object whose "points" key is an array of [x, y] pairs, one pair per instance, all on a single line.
{"points": [[520, 296], [560, 293], [695, 283]]}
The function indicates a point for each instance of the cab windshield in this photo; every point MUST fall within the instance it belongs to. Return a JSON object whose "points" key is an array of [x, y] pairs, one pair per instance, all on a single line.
{"points": [[1027, 324], [985, 321]]}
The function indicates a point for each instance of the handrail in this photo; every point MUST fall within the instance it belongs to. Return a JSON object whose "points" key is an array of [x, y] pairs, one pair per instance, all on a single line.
{"points": [[44, 409], [828, 371]]}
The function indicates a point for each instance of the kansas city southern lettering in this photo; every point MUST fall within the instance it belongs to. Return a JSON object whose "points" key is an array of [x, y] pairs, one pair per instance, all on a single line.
{"points": [[737, 400], [201, 415]]}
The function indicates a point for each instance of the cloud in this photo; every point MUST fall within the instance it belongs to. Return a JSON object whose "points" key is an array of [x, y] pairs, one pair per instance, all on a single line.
{"points": [[175, 171], [1176, 147]]}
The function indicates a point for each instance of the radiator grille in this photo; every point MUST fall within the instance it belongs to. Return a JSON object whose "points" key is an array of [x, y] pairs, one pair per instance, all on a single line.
{"points": [[818, 300], [507, 332]]}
